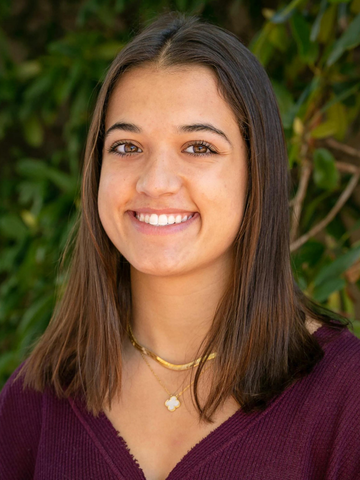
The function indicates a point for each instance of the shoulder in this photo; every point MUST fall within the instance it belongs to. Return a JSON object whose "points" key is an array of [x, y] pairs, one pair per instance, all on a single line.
{"points": [[332, 387], [20, 427], [337, 401], [341, 353], [334, 383], [14, 395], [340, 345]]}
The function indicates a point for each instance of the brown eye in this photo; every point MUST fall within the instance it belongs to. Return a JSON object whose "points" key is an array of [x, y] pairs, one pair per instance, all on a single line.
{"points": [[200, 149], [129, 148], [124, 148]]}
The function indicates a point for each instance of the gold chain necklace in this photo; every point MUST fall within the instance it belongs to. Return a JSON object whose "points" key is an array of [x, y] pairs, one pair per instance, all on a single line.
{"points": [[173, 402], [164, 363]]}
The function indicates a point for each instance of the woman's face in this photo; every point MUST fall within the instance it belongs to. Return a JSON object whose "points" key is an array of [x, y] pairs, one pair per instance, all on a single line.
{"points": [[173, 149]]}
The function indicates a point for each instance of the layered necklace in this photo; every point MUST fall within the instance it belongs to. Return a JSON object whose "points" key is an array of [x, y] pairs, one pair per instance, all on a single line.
{"points": [[173, 402]]}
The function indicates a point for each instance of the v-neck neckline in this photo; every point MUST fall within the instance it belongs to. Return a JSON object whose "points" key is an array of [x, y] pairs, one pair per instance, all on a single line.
{"points": [[124, 464], [117, 453]]}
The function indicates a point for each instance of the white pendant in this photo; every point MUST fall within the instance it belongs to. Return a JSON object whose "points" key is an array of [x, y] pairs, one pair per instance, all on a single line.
{"points": [[172, 403]]}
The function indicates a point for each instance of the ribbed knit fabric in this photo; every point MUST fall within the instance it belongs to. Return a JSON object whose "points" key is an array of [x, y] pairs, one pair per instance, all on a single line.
{"points": [[310, 432]]}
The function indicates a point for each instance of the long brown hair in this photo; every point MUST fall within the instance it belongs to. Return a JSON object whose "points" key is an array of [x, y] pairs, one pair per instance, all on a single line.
{"points": [[259, 327]]}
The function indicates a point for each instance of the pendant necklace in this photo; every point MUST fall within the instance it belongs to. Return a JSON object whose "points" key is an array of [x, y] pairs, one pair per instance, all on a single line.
{"points": [[173, 402], [164, 363]]}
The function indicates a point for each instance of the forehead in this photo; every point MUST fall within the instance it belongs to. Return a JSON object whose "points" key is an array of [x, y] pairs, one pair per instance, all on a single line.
{"points": [[181, 91]]}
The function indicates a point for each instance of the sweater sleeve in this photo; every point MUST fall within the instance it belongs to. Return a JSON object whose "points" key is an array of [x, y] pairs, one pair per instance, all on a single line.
{"points": [[345, 457], [20, 427]]}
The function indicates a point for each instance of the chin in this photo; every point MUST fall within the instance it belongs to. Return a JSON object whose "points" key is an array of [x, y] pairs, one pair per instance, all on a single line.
{"points": [[159, 269]]}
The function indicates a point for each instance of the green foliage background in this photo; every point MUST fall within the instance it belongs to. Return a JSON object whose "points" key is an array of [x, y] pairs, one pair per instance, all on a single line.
{"points": [[53, 57]]}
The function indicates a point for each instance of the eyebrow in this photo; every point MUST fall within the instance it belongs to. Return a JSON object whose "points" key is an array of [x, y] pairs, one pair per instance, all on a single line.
{"points": [[195, 127]]}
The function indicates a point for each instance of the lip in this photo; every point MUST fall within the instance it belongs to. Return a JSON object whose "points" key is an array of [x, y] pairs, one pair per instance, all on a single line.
{"points": [[148, 229], [166, 211]]}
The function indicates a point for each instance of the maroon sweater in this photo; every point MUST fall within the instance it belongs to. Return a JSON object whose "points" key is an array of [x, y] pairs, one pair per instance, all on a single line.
{"points": [[310, 432]]}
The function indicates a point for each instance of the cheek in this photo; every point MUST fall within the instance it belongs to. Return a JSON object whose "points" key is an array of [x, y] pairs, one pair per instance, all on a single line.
{"points": [[109, 199], [224, 193], [225, 202], [103, 194], [112, 191], [236, 187], [103, 208]]}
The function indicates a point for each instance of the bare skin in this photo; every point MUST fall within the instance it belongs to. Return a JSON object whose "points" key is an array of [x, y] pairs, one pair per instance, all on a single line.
{"points": [[177, 279]]}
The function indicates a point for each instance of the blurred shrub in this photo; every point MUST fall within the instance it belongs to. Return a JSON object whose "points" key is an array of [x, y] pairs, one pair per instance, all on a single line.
{"points": [[52, 63]]}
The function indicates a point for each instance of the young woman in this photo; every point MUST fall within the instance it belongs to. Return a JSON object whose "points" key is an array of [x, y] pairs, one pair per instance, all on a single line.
{"points": [[182, 347]]}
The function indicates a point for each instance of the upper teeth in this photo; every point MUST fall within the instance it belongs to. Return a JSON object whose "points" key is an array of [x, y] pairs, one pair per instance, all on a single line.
{"points": [[161, 220]]}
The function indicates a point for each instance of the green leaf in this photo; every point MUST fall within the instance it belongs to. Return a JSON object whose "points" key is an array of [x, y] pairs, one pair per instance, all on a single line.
{"points": [[325, 173], [285, 13], [308, 91], [323, 291], [348, 233], [38, 169], [68, 84], [119, 5], [33, 131], [28, 69], [308, 50], [11, 226], [278, 37], [336, 228], [31, 168], [34, 312], [181, 5], [339, 1], [308, 254], [349, 39], [261, 47], [327, 24], [337, 118], [294, 152], [355, 6], [109, 50], [325, 129], [8, 362], [302, 282], [341, 97], [39, 87], [316, 26], [7, 258], [61, 179], [286, 104], [337, 114], [338, 266], [312, 207], [29, 218]]}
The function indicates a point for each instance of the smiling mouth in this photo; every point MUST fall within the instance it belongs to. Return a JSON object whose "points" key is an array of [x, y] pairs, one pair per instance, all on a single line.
{"points": [[162, 220]]}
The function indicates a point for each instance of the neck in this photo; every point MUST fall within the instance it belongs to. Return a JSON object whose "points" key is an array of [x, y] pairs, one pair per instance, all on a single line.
{"points": [[171, 316]]}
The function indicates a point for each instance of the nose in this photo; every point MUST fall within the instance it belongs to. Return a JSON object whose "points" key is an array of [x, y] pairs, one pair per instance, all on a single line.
{"points": [[160, 176]]}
